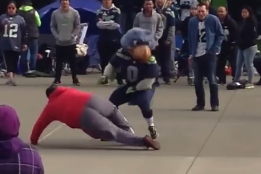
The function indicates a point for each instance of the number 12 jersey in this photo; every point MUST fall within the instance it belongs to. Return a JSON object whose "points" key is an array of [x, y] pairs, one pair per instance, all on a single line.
{"points": [[13, 32]]}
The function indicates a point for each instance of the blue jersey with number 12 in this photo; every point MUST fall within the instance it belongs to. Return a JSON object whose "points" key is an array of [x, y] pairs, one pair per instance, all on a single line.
{"points": [[13, 32], [133, 71]]}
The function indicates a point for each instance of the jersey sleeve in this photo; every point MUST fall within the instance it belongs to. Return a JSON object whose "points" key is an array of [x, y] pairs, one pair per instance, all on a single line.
{"points": [[116, 59], [152, 69]]}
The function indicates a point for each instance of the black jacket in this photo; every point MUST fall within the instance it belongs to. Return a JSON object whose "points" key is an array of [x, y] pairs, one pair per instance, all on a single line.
{"points": [[247, 35], [184, 27], [230, 28]]}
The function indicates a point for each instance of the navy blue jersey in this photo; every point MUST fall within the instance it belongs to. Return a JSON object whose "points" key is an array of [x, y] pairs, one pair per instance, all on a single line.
{"points": [[13, 32], [169, 20], [133, 71], [107, 15]]}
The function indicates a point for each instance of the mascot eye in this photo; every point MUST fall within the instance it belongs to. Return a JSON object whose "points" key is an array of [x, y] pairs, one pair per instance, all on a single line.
{"points": [[135, 42]]}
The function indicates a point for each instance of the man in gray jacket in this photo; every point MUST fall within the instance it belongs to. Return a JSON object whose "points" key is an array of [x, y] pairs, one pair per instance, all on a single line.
{"points": [[65, 26]]}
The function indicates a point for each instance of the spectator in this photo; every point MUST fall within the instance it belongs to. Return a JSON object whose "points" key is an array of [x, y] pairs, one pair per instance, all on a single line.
{"points": [[247, 45], [185, 6], [228, 48], [13, 40], [184, 25], [16, 157], [108, 21], [33, 21], [211, 10], [165, 42], [205, 35], [65, 26], [150, 20]]}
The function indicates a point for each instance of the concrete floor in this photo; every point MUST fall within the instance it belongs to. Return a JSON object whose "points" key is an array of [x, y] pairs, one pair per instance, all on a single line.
{"points": [[224, 142]]}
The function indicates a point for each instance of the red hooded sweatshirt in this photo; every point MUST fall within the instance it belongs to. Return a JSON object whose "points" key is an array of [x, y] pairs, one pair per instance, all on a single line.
{"points": [[65, 105]]}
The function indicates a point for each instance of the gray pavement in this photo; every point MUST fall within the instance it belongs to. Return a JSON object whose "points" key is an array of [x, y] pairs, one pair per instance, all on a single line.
{"points": [[224, 142]]}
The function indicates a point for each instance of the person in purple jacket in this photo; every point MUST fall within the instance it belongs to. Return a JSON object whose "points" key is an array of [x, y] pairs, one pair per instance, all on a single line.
{"points": [[16, 157]]}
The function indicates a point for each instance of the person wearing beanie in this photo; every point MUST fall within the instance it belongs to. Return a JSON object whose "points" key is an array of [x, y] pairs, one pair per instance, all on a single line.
{"points": [[97, 117], [16, 157]]}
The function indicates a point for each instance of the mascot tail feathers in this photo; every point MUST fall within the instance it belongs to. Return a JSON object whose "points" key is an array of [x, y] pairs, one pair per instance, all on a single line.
{"points": [[135, 35]]}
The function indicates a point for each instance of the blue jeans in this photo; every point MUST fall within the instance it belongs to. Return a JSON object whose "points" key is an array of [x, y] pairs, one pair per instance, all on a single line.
{"points": [[205, 66], [29, 56], [245, 57]]}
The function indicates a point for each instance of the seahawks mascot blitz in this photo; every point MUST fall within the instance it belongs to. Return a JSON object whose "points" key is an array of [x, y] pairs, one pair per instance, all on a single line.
{"points": [[139, 68]]}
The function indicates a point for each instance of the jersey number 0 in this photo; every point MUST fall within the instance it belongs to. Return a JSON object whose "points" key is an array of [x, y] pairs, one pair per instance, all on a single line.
{"points": [[11, 31], [132, 74]]}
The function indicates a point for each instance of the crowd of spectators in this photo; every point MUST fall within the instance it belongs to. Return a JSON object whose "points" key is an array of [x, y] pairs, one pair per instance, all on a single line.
{"points": [[164, 18]]}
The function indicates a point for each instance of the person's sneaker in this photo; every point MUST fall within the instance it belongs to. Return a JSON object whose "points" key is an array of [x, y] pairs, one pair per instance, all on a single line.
{"points": [[153, 132], [13, 83], [190, 82], [150, 143], [214, 108], [249, 86], [8, 82], [56, 82], [198, 108], [76, 82]]}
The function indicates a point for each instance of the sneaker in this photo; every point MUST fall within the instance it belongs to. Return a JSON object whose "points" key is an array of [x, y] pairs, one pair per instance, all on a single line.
{"points": [[150, 143], [153, 132], [56, 82], [8, 82], [214, 108], [76, 82], [249, 86], [198, 108], [13, 83]]}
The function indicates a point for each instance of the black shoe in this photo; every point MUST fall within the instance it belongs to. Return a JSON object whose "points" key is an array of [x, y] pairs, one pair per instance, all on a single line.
{"points": [[150, 143], [153, 132], [167, 82], [214, 108], [198, 108], [56, 82], [76, 82]]}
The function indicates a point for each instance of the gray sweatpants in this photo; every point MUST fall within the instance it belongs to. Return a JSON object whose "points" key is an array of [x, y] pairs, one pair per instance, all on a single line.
{"points": [[103, 119]]}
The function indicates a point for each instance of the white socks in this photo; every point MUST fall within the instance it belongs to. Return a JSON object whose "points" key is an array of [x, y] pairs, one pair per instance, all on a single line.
{"points": [[150, 121]]}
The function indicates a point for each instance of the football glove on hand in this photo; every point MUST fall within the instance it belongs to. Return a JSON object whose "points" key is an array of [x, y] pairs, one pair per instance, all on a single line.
{"points": [[103, 80], [130, 90]]}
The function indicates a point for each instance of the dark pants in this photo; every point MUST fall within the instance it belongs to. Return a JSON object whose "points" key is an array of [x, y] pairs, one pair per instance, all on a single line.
{"points": [[106, 49], [32, 53], [163, 56], [257, 65], [101, 119], [205, 66], [11, 60], [140, 98], [228, 54], [65, 54]]}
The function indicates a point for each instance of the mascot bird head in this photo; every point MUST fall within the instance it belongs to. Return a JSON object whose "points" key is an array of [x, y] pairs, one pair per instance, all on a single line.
{"points": [[139, 42]]}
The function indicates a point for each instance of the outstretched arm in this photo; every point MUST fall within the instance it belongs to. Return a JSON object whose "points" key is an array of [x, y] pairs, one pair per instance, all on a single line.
{"points": [[43, 121]]}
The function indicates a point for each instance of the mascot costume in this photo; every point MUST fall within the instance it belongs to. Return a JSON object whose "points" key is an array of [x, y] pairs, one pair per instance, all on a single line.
{"points": [[139, 68]]}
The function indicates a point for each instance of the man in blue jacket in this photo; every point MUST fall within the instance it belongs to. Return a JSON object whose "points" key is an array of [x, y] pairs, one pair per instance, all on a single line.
{"points": [[205, 36]]}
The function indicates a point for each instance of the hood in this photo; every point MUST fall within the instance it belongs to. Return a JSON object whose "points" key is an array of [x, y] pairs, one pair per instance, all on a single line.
{"points": [[165, 5], [112, 6], [10, 147], [58, 91], [9, 131]]}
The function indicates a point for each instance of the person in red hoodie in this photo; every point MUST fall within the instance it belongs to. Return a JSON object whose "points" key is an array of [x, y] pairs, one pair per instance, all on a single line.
{"points": [[96, 116]]}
